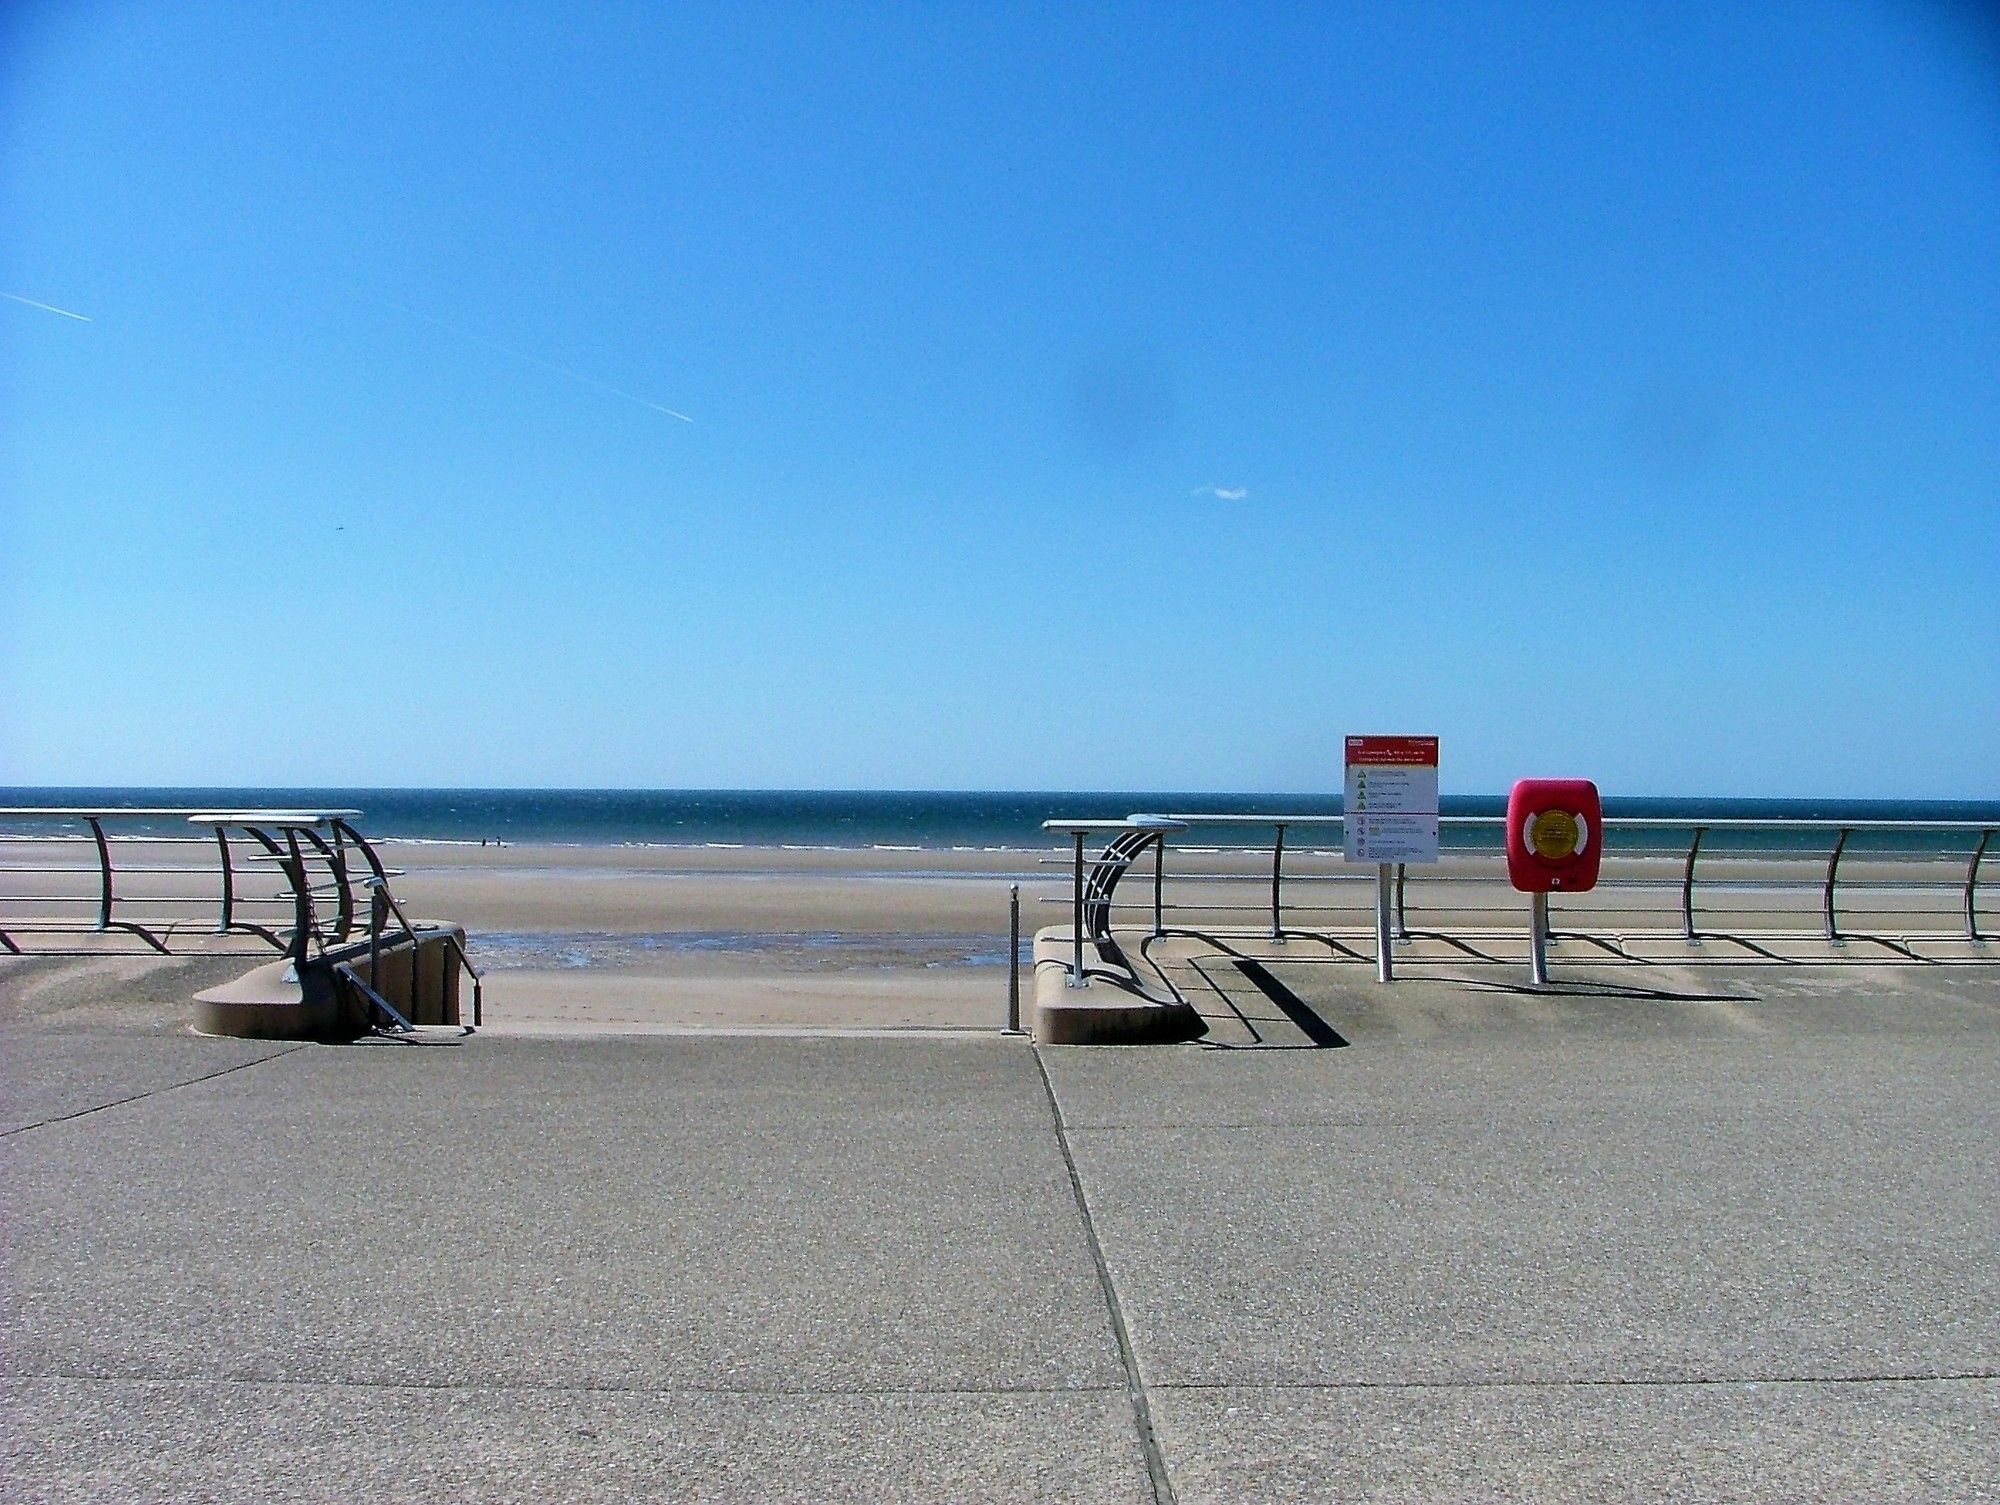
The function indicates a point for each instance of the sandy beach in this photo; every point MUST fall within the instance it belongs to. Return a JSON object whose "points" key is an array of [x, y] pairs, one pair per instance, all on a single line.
{"points": [[581, 938], [606, 939], [601, 938]]}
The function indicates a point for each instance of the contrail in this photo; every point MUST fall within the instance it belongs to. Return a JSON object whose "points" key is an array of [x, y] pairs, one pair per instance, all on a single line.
{"points": [[536, 360], [49, 307]]}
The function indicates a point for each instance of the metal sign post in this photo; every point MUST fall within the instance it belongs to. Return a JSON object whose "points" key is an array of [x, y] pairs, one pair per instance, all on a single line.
{"points": [[1538, 941], [1385, 885], [1391, 817]]}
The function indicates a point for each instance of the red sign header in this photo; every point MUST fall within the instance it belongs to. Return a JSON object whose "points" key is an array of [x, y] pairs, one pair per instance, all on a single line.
{"points": [[1392, 752]]}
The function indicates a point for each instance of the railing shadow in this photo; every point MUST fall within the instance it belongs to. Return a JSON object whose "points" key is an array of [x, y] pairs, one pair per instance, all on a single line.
{"points": [[1319, 1035], [1598, 988]]}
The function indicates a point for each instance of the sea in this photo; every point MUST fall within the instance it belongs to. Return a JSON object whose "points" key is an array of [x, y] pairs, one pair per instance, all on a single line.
{"points": [[885, 820]]}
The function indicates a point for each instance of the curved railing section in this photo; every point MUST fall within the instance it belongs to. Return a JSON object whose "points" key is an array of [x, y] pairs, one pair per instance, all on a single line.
{"points": [[138, 876]]}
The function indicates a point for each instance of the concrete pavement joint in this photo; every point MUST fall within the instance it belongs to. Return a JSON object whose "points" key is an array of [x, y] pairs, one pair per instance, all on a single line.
{"points": [[1135, 1385], [585, 1387], [581, 1387], [1287, 1125], [1613, 1382], [139, 1097]]}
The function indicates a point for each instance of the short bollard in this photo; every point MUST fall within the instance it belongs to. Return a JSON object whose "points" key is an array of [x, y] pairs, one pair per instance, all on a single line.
{"points": [[1013, 961], [1076, 977]]}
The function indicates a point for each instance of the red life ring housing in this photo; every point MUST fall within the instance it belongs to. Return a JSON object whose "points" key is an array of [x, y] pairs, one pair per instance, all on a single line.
{"points": [[1555, 835]]}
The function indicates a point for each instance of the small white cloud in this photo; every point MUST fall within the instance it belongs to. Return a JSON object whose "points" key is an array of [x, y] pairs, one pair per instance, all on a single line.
{"points": [[1222, 493]]}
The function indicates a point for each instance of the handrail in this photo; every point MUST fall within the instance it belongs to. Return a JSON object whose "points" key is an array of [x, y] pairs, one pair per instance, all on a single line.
{"points": [[347, 971], [1654, 822], [381, 899], [191, 812]]}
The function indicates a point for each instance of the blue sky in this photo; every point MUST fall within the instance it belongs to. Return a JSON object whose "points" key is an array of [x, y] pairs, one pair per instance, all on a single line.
{"points": [[1114, 397]]}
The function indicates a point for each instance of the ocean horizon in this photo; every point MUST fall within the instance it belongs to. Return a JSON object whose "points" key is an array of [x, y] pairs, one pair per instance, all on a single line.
{"points": [[887, 819]]}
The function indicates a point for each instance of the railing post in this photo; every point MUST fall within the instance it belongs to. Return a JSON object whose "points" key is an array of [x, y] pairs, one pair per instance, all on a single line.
{"points": [[337, 865], [104, 871], [1832, 876], [228, 921], [378, 916], [1076, 939], [1159, 881], [1277, 884], [303, 920], [1972, 887], [1687, 885], [360, 844]]}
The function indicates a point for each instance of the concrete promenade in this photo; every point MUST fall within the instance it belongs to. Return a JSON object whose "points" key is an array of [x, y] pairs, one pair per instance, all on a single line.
{"points": [[1672, 1234]]}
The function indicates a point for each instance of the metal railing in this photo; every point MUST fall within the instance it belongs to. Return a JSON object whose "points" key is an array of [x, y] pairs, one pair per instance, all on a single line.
{"points": [[149, 894], [1768, 858], [156, 896]]}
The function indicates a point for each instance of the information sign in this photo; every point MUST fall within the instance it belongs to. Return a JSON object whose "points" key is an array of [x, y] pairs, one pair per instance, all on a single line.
{"points": [[1392, 799]]}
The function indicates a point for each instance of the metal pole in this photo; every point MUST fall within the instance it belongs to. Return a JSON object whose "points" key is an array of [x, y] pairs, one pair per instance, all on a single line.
{"points": [[1402, 915], [1076, 964], [303, 920], [378, 916], [1385, 887], [1832, 877], [1277, 885], [1687, 884], [1159, 879], [104, 870], [1972, 886], [337, 864], [1014, 959], [1538, 941], [228, 919]]}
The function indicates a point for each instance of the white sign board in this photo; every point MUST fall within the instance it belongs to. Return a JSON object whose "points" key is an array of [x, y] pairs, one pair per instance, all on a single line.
{"points": [[1392, 799]]}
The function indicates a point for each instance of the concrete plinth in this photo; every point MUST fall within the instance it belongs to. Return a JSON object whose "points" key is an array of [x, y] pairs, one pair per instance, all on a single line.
{"points": [[275, 1002], [283, 1000], [1109, 1009]]}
